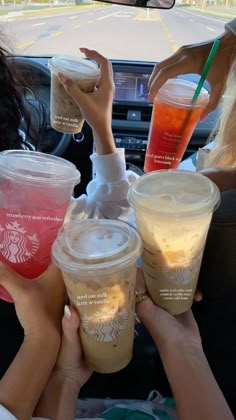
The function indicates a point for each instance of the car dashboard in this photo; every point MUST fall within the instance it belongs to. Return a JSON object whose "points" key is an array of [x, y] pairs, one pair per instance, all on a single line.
{"points": [[131, 115]]}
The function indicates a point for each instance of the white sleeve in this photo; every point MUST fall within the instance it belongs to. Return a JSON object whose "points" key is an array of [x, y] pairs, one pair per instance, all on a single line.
{"points": [[5, 414], [231, 25], [107, 192]]}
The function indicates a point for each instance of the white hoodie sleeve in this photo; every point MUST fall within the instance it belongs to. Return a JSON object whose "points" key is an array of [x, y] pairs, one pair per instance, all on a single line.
{"points": [[107, 192], [5, 414]]}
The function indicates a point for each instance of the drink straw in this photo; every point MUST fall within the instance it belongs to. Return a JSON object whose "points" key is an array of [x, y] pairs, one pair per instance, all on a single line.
{"points": [[202, 79], [206, 69]]}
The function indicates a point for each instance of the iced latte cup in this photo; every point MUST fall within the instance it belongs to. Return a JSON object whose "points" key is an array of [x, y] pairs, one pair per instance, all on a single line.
{"points": [[173, 210], [98, 263], [65, 114]]}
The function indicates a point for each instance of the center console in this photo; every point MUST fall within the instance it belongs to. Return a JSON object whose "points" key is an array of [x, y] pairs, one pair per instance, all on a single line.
{"points": [[131, 111]]}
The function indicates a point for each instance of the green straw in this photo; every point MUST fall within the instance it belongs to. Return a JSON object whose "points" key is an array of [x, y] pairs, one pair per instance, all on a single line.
{"points": [[202, 79], [206, 69]]}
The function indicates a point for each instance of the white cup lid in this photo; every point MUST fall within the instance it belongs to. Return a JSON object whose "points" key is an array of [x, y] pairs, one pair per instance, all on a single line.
{"points": [[74, 67], [174, 193], [180, 92], [37, 168], [95, 245]]}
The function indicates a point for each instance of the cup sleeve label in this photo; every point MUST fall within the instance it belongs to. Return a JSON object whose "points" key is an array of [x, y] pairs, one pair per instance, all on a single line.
{"points": [[67, 121], [105, 324], [176, 294], [105, 313], [164, 151], [26, 239], [16, 244]]}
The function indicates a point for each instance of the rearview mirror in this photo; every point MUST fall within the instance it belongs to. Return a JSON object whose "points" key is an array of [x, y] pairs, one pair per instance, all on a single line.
{"points": [[156, 4]]}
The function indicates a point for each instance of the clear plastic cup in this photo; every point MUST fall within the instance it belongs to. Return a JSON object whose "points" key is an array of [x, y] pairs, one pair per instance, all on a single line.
{"points": [[173, 210], [35, 190], [98, 260], [173, 121], [65, 114]]}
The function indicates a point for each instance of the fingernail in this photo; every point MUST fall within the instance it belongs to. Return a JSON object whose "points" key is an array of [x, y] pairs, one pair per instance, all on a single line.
{"points": [[67, 312], [62, 78], [136, 334], [137, 319]]}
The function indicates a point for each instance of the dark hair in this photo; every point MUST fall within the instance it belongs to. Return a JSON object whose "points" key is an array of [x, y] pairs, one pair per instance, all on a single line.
{"points": [[12, 108]]}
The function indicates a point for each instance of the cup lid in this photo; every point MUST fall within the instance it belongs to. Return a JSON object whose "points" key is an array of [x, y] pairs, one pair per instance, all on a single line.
{"points": [[180, 92], [174, 193], [74, 67], [95, 245], [36, 167]]}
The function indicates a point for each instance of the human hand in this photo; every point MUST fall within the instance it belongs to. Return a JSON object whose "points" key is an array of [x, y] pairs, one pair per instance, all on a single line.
{"points": [[70, 365], [225, 179], [191, 59], [39, 303], [95, 106], [167, 331], [69, 374]]}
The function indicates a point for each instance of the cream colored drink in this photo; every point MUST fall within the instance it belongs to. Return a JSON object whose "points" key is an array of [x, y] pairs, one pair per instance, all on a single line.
{"points": [[98, 263], [65, 114], [173, 210]]}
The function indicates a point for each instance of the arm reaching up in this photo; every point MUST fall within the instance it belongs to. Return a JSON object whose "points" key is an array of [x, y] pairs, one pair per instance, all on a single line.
{"points": [[192, 58], [107, 192]]}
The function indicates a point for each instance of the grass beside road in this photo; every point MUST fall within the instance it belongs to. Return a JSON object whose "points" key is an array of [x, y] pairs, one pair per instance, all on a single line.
{"points": [[214, 13], [52, 10], [3, 12]]}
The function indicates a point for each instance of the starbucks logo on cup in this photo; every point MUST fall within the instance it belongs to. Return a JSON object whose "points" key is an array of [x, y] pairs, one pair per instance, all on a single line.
{"points": [[106, 324], [15, 245], [184, 273]]}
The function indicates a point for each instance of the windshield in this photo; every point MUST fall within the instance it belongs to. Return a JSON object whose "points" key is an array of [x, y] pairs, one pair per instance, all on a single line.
{"points": [[119, 32]]}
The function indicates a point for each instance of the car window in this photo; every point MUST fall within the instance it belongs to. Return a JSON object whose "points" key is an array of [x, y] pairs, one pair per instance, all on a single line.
{"points": [[119, 32]]}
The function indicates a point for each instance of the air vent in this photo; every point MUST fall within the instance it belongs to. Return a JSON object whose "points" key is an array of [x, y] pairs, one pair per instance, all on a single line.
{"points": [[120, 112], [146, 114]]}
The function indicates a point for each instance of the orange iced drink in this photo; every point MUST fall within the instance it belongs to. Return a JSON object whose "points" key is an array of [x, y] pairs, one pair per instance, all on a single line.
{"points": [[172, 124]]}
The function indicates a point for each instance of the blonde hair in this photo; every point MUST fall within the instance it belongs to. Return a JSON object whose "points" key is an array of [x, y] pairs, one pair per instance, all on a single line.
{"points": [[224, 153]]}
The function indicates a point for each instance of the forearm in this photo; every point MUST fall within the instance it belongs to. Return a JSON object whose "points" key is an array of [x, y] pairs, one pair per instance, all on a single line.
{"points": [[228, 38], [58, 400], [196, 392], [25, 379], [231, 26], [104, 141], [225, 179]]}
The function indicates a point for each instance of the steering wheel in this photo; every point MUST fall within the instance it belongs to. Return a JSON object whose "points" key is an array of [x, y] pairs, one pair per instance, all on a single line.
{"points": [[27, 65]]}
